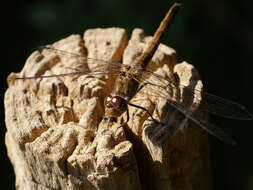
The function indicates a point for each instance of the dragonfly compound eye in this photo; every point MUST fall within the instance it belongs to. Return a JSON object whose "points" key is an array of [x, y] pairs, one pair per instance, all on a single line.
{"points": [[116, 101], [113, 101], [108, 100]]}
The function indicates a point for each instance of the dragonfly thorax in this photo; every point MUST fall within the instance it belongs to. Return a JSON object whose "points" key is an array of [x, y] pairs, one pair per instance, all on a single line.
{"points": [[114, 106], [129, 72]]}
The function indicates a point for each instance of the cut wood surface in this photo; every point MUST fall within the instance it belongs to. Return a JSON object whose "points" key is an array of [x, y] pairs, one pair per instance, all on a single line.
{"points": [[56, 140]]}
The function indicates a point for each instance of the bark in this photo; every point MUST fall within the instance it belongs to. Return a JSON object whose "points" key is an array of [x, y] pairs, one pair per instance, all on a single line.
{"points": [[56, 140]]}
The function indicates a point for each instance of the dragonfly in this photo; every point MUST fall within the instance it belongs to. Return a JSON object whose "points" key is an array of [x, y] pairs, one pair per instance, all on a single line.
{"points": [[133, 78]]}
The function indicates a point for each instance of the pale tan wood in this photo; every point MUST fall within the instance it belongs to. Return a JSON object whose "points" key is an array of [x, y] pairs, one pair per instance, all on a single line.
{"points": [[55, 139]]}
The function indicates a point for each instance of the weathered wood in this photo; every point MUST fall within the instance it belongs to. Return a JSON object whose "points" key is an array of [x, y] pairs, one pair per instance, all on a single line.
{"points": [[55, 139]]}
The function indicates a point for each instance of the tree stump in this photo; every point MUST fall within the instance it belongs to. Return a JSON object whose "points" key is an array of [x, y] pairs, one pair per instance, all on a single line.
{"points": [[56, 140]]}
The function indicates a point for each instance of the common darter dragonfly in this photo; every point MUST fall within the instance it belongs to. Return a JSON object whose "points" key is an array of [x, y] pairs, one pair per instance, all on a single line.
{"points": [[131, 79]]}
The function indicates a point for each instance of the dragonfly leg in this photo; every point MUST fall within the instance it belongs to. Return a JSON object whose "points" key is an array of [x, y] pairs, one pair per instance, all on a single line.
{"points": [[127, 115], [144, 109], [141, 86], [122, 120]]}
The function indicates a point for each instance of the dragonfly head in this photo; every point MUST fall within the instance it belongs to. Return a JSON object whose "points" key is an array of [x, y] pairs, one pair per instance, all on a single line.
{"points": [[114, 106]]}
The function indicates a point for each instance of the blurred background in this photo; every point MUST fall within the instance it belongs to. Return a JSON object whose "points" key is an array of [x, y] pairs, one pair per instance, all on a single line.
{"points": [[215, 36]]}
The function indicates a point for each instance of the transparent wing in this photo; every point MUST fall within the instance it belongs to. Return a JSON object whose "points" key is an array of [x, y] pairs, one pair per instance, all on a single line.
{"points": [[103, 67], [172, 121], [216, 105], [161, 87]]}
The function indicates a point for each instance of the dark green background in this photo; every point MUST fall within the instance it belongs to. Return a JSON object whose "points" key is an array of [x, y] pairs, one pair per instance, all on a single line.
{"points": [[215, 36]]}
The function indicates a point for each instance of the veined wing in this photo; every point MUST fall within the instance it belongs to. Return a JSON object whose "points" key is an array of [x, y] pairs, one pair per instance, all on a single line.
{"points": [[103, 67], [216, 105], [167, 127], [161, 87]]}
